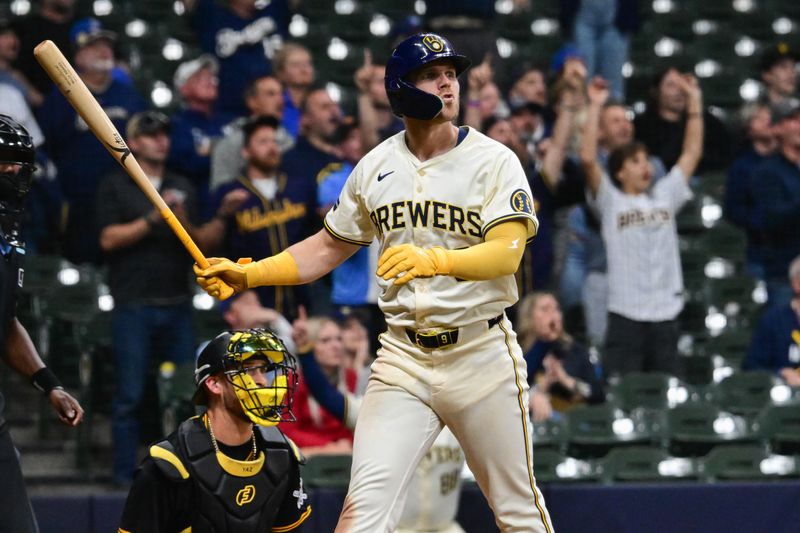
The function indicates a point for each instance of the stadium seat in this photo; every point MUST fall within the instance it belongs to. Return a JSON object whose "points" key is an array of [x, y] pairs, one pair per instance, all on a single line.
{"points": [[644, 463], [747, 462], [552, 466], [593, 430], [745, 392], [780, 426], [693, 429], [207, 324], [548, 434], [649, 390], [175, 390], [328, 471], [731, 345]]}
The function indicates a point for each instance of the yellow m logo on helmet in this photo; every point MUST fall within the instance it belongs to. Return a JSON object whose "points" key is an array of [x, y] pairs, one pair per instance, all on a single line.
{"points": [[433, 43], [245, 495]]}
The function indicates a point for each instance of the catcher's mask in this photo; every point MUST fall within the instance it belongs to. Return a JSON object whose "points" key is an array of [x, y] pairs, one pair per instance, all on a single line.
{"points": [[263, 373], [17, 155]]}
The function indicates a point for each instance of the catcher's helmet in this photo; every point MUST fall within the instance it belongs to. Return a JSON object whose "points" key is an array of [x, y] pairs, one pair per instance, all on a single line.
{"points": [[241, 355], [411, 54], [16, 148]]}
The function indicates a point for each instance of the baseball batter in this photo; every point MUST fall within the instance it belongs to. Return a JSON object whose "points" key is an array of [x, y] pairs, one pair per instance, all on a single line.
{"points": [[452, 211]]}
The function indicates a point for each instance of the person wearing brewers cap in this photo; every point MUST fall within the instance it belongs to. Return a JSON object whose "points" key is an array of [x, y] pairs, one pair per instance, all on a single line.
{"points": [[779, 74], [80, 159]]}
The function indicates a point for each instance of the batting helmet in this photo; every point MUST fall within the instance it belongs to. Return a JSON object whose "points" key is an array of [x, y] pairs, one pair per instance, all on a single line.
{"points": [[410, 55], [243, 355], [16, 149]]}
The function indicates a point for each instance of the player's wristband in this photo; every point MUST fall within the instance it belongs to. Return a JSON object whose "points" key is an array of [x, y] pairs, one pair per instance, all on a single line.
{"points": [[44, 380]]}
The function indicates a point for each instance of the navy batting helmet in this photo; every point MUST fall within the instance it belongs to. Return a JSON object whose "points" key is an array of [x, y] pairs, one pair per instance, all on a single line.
{"points": [[410, 55]]}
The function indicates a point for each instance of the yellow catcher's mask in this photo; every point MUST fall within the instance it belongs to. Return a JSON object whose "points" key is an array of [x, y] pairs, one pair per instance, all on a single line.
{"points": [[263, 373]]}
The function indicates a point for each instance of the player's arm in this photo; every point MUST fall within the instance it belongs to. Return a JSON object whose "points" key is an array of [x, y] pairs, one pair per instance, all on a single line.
{"points": [[598, 95], [693, 136], [21, 355], [303, 262], [499, 255]]}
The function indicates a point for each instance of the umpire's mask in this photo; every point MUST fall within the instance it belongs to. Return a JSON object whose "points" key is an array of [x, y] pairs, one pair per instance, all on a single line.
{"points": [[243, 356]]}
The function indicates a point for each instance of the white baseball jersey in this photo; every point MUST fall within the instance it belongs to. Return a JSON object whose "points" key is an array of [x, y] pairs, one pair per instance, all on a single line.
{"points": [[451, 201], [645, 280]]}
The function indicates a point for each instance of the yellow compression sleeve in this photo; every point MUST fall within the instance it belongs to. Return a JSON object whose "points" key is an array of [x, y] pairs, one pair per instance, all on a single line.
{"points": [[498, 255], [278, 269]]}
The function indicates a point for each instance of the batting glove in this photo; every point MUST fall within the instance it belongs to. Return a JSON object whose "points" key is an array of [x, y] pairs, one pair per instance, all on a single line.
{"points": [[223, 278], [412, 262]]}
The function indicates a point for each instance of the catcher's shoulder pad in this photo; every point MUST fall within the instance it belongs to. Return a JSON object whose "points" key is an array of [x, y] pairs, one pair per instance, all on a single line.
{"points": [[274, 436], [167, 461]]}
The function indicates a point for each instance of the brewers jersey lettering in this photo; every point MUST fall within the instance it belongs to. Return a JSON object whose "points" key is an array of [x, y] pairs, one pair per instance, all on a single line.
{"points": [[451, 201], [474, 380]]}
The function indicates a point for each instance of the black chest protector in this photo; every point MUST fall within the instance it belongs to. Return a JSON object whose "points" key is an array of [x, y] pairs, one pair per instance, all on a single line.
{"points": [[11, 271], [232, 496]]}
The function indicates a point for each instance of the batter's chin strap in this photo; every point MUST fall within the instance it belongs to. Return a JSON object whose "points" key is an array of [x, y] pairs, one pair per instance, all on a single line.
{"points": [[45, 380]]}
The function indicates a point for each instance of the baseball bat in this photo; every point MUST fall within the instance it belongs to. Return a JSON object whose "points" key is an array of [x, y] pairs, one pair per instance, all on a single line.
{"points": [[75, 91]]}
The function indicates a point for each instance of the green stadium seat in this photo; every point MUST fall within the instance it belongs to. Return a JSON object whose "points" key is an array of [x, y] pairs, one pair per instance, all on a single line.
{"points": [[208, 324], [644, 463], [593, 430], [548, 434], [175, 384], [551, 466], [747, 462], [780, 426], [328, 471], [731, 345], [745, 392], [693, 429], [649, 390]]}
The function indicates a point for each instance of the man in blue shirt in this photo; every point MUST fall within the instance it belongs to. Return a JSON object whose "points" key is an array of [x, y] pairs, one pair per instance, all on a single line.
{"points": [[243, 35], [740, 201], [776, 341], [80, 158], [776, 183], [197, 126]]}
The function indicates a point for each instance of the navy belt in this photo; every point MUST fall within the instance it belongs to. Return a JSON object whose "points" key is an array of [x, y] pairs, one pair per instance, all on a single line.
{"points": [[444, 337]]}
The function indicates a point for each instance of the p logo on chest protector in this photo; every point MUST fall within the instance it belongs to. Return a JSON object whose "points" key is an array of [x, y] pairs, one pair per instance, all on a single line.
{"points": [[245, 495]]}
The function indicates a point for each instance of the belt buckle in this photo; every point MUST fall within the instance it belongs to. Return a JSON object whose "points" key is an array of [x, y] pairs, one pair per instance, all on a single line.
{"points": [[443, 338]]}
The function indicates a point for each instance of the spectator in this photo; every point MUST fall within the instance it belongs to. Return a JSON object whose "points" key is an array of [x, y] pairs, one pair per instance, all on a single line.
{"points": [[80, 159], [9, 52], [316, 431], [353, 285], [147, 275], [560, 370], [483, 96], [197, 126], [376, 120], [263, 97], [529, 85], [740, 201], [246, 312], [583, 279], [314, 150], [638, 226], [601, 30], [778, 68], [244, 35], [279, 209], [295, 70], [776, 186], [776, 341], [662, 126], [53, 21]]}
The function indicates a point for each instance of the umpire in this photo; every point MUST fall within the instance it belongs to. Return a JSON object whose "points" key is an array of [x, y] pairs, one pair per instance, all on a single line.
{"points": [[229, 470], [16, 171]]}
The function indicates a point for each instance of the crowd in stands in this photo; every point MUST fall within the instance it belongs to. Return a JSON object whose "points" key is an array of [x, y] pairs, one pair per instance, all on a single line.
{"points": [[257, 150]]}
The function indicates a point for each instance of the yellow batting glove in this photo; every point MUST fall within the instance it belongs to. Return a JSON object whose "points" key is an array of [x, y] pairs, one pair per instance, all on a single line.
{"points": [[412, 262], [223, 278]]}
